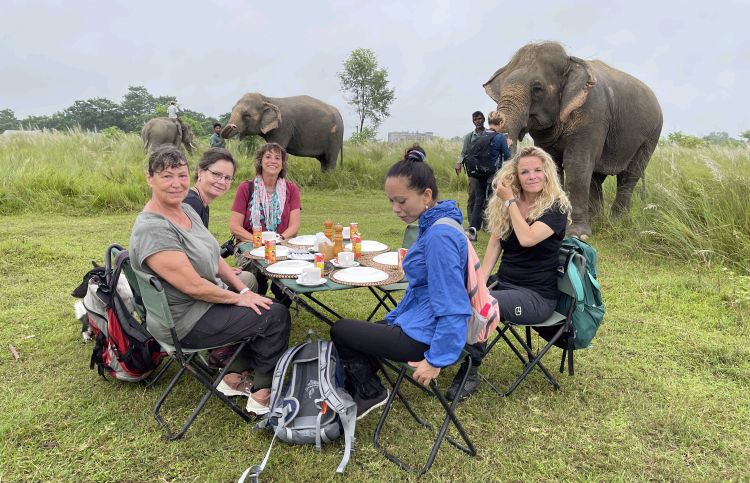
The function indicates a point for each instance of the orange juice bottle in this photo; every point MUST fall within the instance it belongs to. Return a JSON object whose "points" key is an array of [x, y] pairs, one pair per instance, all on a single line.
{"points": [[357, 245], [270, 251], [257, 236]]}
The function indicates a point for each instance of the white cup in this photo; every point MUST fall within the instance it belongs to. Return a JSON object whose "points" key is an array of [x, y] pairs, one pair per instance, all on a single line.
{"points": [[346, 232], [268, 236], [310, 274], [346, 259]]}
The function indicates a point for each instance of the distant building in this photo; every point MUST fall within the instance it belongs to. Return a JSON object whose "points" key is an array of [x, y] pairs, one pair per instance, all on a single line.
{"points": [[397, 137]]}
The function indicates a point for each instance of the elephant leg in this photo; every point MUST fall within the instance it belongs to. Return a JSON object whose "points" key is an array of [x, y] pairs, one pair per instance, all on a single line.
{"points": [[325, 164], [627, 179], [578, 167], [596, 194]]}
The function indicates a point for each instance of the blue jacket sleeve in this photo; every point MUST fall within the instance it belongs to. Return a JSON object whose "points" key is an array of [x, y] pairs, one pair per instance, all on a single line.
{"points": [[446, 257], [500, 149]]}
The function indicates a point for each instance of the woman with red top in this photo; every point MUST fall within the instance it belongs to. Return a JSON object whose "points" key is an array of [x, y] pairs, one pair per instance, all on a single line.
{"points": [[269, 200]]}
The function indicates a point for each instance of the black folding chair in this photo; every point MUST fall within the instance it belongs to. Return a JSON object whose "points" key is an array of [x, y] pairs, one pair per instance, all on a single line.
{"points": [[557, 326], [157, 312], [383, 292], [404, 374]]}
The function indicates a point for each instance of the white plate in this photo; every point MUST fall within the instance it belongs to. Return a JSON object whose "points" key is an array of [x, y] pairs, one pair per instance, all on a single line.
{"points": [[281, 251], [320, 281], [303, 240], [387, 258], [288, 267], [369, 246], [335, 263], [360, 275]]}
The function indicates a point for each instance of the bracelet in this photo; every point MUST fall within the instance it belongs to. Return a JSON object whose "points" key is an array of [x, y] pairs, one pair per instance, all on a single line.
{"points": [[244, 291]]}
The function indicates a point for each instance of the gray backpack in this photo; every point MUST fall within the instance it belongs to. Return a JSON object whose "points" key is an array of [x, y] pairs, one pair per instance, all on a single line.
{"points": [[309, 404]]}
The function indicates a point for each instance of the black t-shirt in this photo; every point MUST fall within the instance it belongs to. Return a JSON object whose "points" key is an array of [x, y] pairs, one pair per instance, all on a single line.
{"points": [[197, 204], [535, 267]]}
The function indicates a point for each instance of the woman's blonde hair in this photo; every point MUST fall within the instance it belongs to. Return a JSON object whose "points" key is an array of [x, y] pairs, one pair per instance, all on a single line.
{"points": [[498, 216]]}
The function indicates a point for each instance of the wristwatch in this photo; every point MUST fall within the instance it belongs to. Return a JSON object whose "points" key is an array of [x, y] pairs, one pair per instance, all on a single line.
{"points": [[507, 203]]}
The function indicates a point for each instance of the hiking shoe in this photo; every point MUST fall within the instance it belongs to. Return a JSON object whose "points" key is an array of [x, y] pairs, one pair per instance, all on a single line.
{"points": [[471, 233], [365, 406], [258, 402], [471, 386], [235, 384]]}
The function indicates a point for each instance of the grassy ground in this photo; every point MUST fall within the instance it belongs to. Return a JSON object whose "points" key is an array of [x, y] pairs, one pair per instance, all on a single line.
{"points": [[663, 395]]}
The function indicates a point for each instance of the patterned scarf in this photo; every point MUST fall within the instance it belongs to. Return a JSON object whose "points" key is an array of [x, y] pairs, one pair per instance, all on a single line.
{"points": [[264, 208]]}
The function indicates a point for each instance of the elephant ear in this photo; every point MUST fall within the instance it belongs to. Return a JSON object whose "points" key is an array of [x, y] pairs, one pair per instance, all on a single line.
{"points": [[580, 79], [491, 88], [271, 118]]}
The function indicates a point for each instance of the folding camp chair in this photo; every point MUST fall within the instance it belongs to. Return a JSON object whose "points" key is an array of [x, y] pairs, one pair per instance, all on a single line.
{"points": [[555, 327], [404, 373], [127, 270], [157, 311], [383, 292]]}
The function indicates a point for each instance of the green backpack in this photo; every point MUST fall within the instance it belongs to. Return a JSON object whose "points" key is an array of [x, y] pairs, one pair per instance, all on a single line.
{"points": [[589, 310]]}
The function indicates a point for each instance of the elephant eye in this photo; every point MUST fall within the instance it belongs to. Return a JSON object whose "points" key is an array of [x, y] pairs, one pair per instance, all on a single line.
{"points": [[537, 89]]}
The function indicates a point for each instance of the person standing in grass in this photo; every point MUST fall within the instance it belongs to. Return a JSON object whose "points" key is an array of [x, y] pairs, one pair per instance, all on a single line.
{"points": [[527, 218], [216, 140], [478, 119], [209, 304], [428, 328]]}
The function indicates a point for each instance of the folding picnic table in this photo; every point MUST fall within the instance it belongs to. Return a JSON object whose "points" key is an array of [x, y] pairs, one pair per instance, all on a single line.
{"points": [[303, 295]]}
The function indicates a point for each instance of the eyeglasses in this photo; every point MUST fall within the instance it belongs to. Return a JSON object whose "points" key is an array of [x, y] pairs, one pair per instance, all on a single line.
{"points": [[219, 176]]}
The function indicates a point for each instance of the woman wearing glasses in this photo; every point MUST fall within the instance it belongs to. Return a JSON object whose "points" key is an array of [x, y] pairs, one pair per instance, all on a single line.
{"points": [[270, 201], [212, 179]]}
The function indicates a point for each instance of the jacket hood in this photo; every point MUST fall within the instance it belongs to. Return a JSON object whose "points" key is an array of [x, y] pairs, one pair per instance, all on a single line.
{"points": [[442, 209]]}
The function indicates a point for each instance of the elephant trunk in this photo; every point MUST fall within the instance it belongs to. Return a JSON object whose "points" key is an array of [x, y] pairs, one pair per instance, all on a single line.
{"points": [[230, 130], [514, 113]]}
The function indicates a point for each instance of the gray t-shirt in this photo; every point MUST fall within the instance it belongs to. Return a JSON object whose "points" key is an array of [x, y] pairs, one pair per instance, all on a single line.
{"points": [[153, 233]]}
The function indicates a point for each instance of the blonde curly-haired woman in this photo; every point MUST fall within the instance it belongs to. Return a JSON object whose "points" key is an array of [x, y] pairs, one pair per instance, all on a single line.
{"points": [[526, 217]]}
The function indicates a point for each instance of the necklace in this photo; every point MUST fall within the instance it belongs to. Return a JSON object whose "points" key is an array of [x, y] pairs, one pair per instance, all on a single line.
{"points": [[200, 195]]}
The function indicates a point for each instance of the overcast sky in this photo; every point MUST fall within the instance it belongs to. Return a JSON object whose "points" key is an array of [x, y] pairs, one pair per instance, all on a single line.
{"points": [[694, 55]]}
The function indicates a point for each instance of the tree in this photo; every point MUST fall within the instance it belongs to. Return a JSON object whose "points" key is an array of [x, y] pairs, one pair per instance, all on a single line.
{"points": [[93, 114], [8, 120], [745, 135], [137, 107], [366, 87]]}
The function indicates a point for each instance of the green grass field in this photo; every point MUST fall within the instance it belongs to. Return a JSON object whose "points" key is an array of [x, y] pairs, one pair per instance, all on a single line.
{"points": [[662, 395]]}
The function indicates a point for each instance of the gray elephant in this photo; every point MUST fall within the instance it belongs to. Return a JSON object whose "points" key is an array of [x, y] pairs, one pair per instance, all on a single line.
{"points": [[303, 125], [163, 130], [595, 121]]}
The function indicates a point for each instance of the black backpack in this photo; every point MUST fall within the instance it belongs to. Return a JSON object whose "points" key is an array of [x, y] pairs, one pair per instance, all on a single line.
{"points": [[478, 162]]}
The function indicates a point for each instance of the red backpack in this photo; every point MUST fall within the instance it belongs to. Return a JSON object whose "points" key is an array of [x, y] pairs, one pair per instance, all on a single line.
{"points": [[124, 348], [485, 310]]}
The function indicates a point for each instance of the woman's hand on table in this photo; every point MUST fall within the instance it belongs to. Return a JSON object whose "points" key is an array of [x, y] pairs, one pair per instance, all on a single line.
{"points": [[424, 372], [254, 301]]}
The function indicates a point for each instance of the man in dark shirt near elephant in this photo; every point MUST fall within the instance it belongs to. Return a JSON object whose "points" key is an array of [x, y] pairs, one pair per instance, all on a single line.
{"points": [[478, 119], [216, 140]]}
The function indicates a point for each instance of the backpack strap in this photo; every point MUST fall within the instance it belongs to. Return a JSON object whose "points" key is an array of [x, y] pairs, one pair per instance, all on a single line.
{"points": [[280, 412], [345, 407]]}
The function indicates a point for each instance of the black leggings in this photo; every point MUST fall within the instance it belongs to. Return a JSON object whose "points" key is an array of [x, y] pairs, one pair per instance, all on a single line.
{"points": [[358, 339], [228, 324]]}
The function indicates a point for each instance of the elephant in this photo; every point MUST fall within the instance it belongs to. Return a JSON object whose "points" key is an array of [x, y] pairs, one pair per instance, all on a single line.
{"points": [[595, 121], [163, 130], [302, 125]]}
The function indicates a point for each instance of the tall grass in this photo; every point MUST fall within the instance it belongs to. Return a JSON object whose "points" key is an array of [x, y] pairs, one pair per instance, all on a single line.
{"points": [[697, 203], [697, 207]]}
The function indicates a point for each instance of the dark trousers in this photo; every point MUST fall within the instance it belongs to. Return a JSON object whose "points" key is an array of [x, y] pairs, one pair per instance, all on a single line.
{"points": [[227, 324], [480, 200], [358, 339], [472, 193]]}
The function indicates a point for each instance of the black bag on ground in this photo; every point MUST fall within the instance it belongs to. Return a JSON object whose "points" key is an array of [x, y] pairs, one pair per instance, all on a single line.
{"points": [[478, 162]]}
